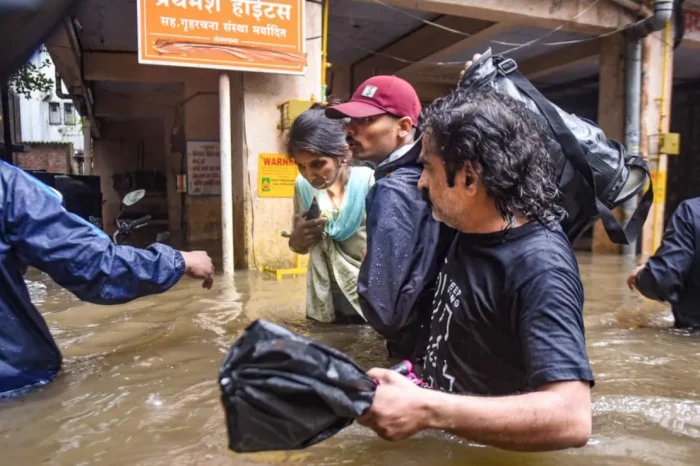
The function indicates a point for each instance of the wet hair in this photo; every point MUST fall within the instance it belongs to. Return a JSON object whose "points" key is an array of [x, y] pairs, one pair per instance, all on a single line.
{"points": [[504, 142], [317, 134]]}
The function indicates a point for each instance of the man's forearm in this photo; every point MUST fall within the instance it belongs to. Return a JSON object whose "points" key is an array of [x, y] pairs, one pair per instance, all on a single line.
{"points": [[648, 285], [538, 421]]}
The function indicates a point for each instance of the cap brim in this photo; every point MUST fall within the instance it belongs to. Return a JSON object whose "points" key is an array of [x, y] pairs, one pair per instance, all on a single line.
{"points": [[353, 110]]}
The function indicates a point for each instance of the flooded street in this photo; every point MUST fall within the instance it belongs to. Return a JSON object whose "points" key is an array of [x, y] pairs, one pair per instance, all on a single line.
{"points": [[139, 382]]}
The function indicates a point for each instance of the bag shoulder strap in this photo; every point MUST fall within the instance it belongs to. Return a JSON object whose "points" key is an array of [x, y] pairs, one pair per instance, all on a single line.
{"points": [[575, 154]]}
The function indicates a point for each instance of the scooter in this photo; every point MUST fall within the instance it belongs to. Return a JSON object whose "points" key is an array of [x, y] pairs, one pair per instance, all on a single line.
{"points": [[125, 228]]}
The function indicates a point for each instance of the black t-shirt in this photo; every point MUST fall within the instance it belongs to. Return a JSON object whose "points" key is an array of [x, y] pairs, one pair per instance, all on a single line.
{"points": [[508, 314]]}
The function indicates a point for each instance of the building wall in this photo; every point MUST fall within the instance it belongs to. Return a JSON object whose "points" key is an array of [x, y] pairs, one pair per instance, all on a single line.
{"points": [[258, 222], [262, 94], [116, 154], [50, 157], [255, 97], [35, 113], [202, 124]]}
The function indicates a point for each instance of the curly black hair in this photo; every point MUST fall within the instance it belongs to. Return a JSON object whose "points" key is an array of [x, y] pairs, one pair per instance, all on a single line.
{"points": [[503, 141]]}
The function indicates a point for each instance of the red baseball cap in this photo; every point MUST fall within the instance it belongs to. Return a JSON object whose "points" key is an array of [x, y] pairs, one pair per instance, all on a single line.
{"points": [[378, 95]]}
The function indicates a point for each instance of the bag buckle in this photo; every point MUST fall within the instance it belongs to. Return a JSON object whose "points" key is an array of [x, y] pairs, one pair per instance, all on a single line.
{"points": [[507, 66]]}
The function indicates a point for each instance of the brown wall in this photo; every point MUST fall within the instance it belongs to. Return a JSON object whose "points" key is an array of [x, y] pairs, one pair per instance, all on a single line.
{"points": [[202, 124], [51, 157]]}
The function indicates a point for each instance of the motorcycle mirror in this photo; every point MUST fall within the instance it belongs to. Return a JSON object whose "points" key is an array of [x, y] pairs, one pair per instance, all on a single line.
{"points": [[133, 197]]}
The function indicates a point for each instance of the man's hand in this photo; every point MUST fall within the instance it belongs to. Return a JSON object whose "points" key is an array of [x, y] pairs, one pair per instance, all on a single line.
{"points": [[632, 279], [306, 232], [468, 64], [399, 409], [199, 265]]}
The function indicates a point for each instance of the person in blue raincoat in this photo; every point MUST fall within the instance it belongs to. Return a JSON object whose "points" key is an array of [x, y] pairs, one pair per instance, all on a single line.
{"points": [[405, 244], [673, 274], [36, 231]]}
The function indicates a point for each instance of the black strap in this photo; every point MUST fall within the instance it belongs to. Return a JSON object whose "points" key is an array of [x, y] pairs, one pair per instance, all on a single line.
{"points": [[573, 151]]}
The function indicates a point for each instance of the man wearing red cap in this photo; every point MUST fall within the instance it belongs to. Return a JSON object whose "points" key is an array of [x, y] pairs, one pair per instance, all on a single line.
{"points": [[405, 244]]}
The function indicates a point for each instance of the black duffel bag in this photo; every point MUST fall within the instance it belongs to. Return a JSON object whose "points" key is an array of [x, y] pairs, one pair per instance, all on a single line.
{"points": [[595, 174]]}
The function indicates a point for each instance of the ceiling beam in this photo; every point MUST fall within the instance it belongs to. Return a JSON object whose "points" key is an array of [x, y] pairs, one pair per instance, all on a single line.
{"points": [[421, 43], [125, 67], [534, 68], [134, 105], [560, 60], [447, 53], [602, 17]]}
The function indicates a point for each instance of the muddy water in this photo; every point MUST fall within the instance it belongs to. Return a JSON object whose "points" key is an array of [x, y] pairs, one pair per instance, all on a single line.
{"points": [[139, 383]]}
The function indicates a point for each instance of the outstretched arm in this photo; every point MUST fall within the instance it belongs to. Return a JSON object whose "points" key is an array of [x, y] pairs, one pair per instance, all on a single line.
{"points": [[664, 276], [79, 256]]}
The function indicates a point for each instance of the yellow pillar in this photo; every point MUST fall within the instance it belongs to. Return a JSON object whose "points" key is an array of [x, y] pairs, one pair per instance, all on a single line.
{"points": [[657, 90]]}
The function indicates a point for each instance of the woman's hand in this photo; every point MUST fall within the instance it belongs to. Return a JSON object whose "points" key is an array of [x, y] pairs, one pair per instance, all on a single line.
{"points": [[306, 232]]}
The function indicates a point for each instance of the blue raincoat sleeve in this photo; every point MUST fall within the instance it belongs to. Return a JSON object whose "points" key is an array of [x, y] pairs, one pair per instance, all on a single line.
{"points": [[76, 254], [666, 273], [402, 243]]}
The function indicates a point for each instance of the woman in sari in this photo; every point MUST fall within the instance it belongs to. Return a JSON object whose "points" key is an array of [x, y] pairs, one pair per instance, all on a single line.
{"points": [[337, 239]]}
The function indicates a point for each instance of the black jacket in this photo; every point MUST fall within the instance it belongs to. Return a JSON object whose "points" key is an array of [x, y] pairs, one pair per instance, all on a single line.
{"points": [[673, 273], [405, 250]]}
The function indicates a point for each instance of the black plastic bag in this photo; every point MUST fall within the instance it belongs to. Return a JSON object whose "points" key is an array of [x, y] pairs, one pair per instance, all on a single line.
{"points": [[281, 391]]}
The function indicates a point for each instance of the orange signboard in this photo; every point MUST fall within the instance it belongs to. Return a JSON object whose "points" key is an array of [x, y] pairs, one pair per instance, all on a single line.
{"points": [[249, 35]]}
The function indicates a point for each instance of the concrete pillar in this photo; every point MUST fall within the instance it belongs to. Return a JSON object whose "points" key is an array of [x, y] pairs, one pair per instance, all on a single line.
{"points": [[239, 168], [174, 166], [225, 131], [611, 116], [87, 147], [656, 106]]}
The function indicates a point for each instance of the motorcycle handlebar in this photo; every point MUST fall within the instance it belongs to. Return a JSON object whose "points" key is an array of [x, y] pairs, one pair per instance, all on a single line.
{"points": [[139, 222]]}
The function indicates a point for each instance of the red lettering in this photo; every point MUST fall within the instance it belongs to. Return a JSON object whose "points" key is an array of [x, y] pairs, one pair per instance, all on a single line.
{"points": [[692, 20]]}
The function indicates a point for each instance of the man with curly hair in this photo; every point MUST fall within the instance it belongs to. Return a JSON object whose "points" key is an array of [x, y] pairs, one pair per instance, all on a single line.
{"points": [[506, 356]]}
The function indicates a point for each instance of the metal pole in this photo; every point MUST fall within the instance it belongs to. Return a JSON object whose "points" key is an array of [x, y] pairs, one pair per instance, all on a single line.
{"points": [[324, 52], [226, 178], [7, 129], [633, 99]]}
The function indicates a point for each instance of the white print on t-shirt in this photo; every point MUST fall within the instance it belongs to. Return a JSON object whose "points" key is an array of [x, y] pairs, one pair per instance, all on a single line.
{"points": [[446, 299]]}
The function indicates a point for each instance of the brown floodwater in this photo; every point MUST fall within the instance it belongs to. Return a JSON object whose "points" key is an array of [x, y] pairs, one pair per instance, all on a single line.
{"points": [[139, 382]]}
